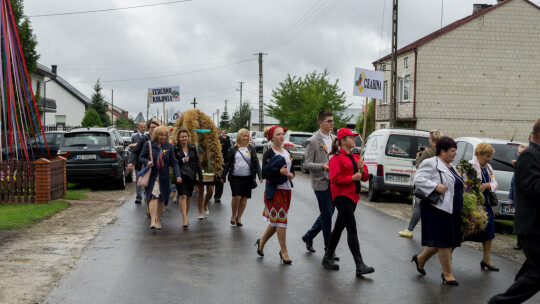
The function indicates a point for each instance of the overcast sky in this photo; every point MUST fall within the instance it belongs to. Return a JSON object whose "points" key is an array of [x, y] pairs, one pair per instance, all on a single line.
{"points": [[129, 49]]}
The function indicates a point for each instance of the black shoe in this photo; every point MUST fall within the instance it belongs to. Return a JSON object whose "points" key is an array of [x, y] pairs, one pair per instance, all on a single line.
{"points": [[517, 247], [484, 265], [258, 244], [328, 262], [309, 243], [451, 283], [361, 268], [217, 200], [287, 262], [415, 260], [138, 200], [185, 227], [233, 223], [335, 257]]}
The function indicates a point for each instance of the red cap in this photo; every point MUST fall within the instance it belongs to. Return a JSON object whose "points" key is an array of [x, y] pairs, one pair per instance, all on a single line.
{"points": [[344, 132]]}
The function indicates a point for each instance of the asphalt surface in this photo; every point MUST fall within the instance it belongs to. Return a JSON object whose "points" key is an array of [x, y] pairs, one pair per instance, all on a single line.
{"points": [[215, 262]]}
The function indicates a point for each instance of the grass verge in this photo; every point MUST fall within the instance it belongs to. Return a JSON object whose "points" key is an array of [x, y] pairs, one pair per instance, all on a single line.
{"points": [[75, 192], [18, 216]]}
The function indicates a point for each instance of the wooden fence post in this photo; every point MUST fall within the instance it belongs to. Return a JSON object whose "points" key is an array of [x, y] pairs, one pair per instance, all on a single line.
{"points": [[43, 182]]}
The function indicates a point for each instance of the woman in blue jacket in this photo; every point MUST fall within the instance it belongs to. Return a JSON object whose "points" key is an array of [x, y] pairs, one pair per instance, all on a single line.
{"points": [[162, 157]]}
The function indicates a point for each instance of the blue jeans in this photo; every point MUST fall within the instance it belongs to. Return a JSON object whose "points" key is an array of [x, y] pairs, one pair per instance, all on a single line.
{"points": [[324, 221]]}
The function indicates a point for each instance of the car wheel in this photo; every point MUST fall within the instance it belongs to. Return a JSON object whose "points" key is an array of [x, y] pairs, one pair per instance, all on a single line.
{"points": [[121, 182], [129, 177], [373, 195], [304, 170]]}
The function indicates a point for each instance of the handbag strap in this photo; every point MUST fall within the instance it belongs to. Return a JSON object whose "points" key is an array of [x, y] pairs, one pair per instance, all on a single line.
{"points": [[249, 163]]}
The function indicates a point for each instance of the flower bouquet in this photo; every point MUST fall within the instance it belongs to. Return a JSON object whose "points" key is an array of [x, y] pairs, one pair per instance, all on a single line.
{"points": [[473, 215]]}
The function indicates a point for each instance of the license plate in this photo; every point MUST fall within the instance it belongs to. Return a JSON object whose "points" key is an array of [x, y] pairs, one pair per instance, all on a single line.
{"points": [[397, 178], [86, 156], [507, 209]]}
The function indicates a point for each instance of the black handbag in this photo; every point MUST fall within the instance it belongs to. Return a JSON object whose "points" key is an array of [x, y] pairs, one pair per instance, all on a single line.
{"points": [[432, 198], [492, 197]]}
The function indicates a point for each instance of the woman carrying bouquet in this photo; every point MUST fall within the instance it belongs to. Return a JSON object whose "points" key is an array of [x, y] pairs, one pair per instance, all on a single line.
{"points": [[483, 153], [441, 222]]}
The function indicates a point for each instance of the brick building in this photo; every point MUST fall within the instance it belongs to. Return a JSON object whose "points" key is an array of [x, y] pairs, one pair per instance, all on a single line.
{"points": [[475, 77]]}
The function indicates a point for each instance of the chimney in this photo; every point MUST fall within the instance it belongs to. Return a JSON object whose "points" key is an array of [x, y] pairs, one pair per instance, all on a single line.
{"points": [[479, 7], [53, 68]]}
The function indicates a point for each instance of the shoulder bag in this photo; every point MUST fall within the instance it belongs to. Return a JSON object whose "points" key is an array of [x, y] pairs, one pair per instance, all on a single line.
{"points": [[253, 182], [432, 198], [142, 181], [492, 197]]}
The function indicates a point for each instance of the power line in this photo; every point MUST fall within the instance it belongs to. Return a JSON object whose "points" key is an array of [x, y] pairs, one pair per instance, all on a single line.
{"points": [[108, 9], [171, 75]]}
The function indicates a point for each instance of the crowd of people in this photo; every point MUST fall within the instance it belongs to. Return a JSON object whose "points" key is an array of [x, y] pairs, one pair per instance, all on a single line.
{"points": [[335, 174]]}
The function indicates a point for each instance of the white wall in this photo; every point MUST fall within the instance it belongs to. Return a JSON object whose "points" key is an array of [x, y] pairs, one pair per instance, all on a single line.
{"points": [[66, 104]]}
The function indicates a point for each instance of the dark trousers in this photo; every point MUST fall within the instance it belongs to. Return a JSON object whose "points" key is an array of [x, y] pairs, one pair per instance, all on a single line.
{"points": [[324, 221], [345, 220], [218, 191], [527, 281]]}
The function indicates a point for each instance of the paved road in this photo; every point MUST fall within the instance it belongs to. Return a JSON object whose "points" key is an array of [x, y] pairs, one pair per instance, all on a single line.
{"points": [[217, 263]]}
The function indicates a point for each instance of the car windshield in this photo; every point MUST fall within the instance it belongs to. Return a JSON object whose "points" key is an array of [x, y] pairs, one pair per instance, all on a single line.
{"points": [[125, 133], [405, 146], [503, 156], [39, 139], [86, 139], [299, 139], [259, 135]]}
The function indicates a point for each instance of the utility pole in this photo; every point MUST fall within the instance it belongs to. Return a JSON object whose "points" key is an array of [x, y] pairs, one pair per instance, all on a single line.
{"points": [[393, 79], [112, 107], [194, 103], [218, 117], [261, 106], [240, 122]]}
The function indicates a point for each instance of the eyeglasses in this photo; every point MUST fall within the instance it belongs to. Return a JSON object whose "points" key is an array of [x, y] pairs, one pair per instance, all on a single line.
{"points": [[330, 121]]}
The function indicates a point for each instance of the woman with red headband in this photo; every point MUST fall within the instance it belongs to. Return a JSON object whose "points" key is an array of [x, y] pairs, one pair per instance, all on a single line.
{"points": [[346, 171], [277, 207]]}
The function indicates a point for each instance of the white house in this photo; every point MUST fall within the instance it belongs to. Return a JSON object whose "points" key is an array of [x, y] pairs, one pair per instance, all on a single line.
{"points": [[477, 76]]}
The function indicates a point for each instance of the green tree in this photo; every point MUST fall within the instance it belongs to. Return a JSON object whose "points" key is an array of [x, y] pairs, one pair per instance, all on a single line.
{"points": [[125, 123], [298, 101], [225, 120], [241, 117], [91, 119], [369, 122], [99, 104], [26, 35]]}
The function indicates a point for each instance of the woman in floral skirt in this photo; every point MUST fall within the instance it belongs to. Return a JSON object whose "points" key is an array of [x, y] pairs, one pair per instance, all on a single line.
{"points": [[276, 209]]}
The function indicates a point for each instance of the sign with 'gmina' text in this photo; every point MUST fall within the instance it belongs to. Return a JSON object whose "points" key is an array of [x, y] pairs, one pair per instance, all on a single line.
{"points": [[165, 94], [368, 83]]}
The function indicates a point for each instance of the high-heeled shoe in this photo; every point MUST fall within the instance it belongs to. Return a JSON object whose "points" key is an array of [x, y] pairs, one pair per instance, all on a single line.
{"points": [[287, 262], [233, 223], [485, 265], [185, 227], [415, 260], [238, 223], [258, 244], [451, 283]]}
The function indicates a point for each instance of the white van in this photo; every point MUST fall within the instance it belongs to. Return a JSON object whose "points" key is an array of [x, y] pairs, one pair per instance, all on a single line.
{"points": [[390, 155]]}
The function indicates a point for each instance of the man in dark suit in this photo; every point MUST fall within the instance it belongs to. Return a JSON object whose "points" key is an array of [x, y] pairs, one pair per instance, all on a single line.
{"points": [[225, 146], [136, 137], [527, 223], [134, 158]]}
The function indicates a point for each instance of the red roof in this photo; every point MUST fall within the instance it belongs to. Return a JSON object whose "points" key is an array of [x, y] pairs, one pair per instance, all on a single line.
{"points": [[446, 29]]}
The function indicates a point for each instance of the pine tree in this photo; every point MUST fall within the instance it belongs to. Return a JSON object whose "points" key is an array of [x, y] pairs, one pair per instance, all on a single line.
{"points": [[241, 117], [26, 35], [225, 120], [91, 119], [99, 104]]}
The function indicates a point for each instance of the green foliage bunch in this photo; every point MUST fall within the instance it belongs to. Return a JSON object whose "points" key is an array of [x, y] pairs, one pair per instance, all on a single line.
{"points": [[125, 123], [298, 101], [241, 117], [26, 35], [369, 122], [98, 103], [91, 119]]}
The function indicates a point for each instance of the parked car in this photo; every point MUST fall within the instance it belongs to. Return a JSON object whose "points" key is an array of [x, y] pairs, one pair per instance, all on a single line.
{"points": [[96, 154], [501, 161], [232, 136], [126, 135], [358, 143], [390, 155], [258, 141], [36, 148], [295, 142]]}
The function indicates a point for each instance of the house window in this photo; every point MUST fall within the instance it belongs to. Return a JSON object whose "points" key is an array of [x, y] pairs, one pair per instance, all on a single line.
{"points": [[404, 85], [384, 93], [406, 62], [383, 126], [38, 88], [383, 67]]}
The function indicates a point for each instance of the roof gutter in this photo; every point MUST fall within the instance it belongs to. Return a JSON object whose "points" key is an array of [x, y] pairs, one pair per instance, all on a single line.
{"points": [[415, 69]]}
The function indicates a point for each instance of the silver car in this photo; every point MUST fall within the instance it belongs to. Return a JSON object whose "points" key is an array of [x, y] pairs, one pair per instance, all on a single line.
{"points": [[501, 161], [258, 141], [295, 142]]}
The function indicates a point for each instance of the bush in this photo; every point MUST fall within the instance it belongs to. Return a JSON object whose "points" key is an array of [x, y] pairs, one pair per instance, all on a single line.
{"points": [[91, 119]]}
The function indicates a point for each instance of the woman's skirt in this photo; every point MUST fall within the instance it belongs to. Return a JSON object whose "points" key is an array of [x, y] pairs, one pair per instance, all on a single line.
{"points": [[155, 191], [241, 185], [186, 187], [440, 229], [276, 209]]}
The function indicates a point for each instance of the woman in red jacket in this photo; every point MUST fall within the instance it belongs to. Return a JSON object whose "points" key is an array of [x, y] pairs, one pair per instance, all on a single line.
{"points": [[346, 172]]}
